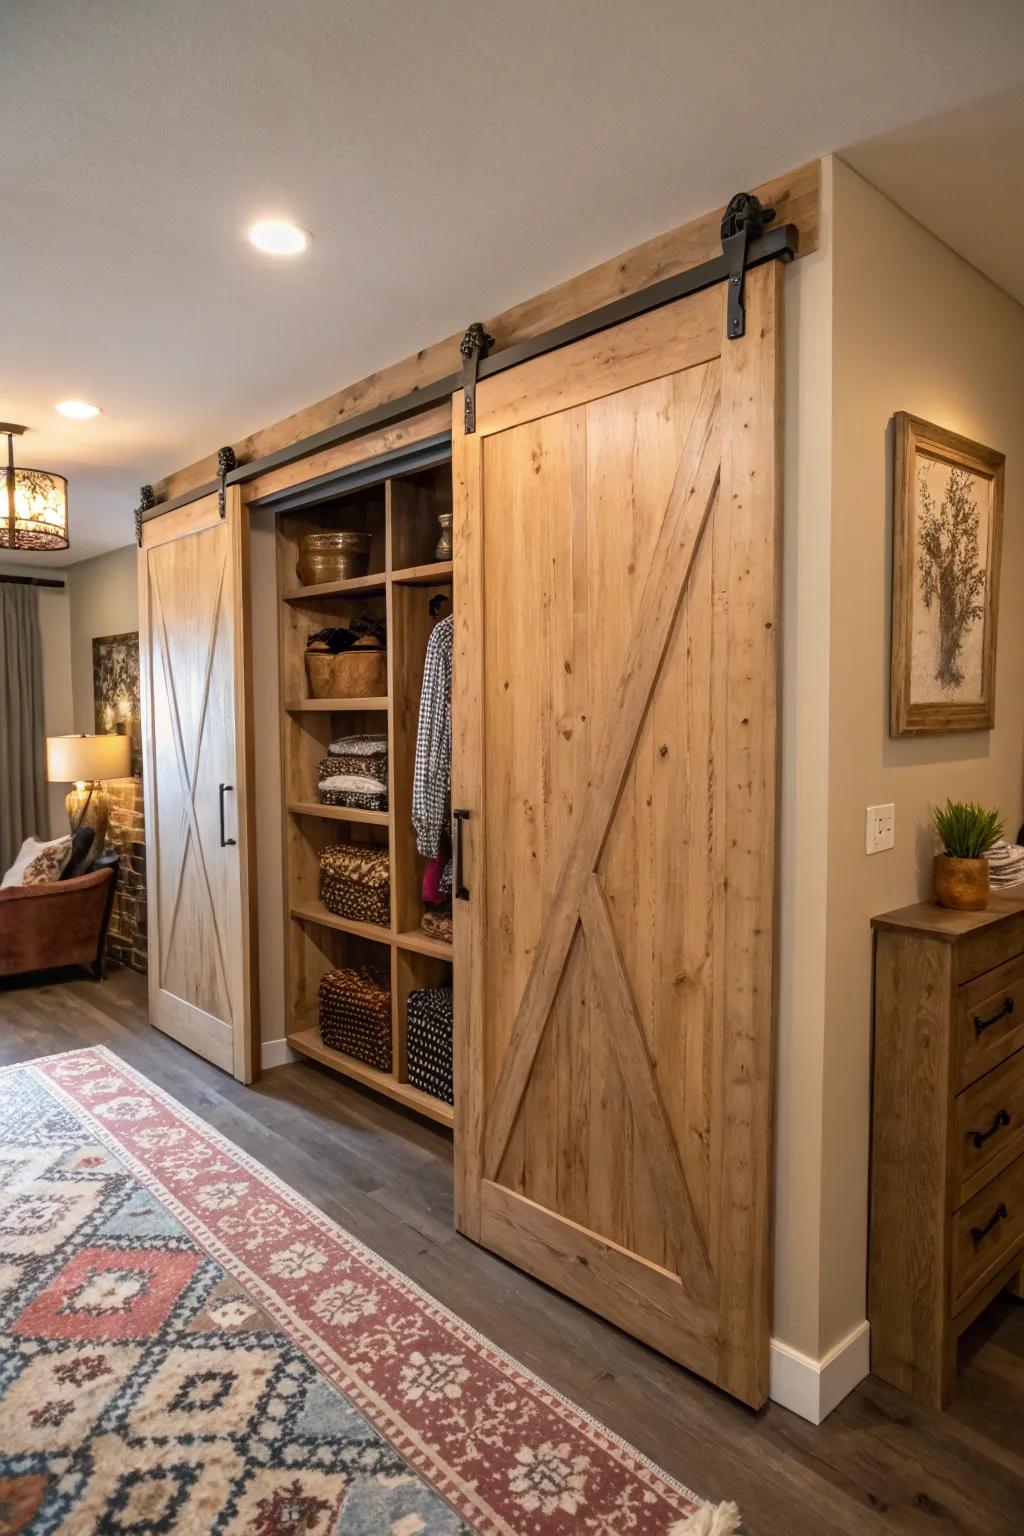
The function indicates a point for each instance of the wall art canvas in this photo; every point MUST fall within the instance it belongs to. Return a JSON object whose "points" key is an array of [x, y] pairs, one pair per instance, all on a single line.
{"points": [[115, 678], [947, 530]]}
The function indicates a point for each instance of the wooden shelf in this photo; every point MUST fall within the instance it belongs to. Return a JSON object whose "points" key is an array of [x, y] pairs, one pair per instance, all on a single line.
{"points": [[355, 586], [316, 912], [423, 944], [401, 515], [438, 573], [339, 813], [333, 706], [414, 940], [308, 1042]]}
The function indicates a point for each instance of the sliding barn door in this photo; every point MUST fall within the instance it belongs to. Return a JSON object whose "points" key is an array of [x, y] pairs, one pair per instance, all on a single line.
{"points": [[617, 565], [192, 635]]}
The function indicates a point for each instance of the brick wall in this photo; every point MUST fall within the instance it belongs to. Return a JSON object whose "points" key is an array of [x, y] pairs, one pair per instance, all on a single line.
{"points": [[126, 936]]}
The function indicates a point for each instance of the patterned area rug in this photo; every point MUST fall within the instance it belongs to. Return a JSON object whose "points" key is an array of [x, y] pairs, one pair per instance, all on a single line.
{"points": [[186, 1345]]}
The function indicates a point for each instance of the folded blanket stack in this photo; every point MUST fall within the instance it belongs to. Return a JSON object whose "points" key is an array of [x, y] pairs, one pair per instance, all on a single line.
{"points": [[355, 773], [428, 1042], [1005, 865]]}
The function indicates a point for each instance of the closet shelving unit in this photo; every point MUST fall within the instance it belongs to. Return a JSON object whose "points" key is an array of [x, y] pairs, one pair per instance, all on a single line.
{"points": [[401, 514]]}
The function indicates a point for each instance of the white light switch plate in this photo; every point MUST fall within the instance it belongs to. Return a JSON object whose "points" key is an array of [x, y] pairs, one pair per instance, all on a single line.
{"points": [[881, 828]]}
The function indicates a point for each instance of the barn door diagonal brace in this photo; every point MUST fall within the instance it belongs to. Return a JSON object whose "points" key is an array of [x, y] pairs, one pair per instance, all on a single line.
{"points": [[744, 220], [474, 347]]}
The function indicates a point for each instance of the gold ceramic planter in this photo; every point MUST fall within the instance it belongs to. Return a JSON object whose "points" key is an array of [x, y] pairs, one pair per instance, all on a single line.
{"points": [[962, 884]]}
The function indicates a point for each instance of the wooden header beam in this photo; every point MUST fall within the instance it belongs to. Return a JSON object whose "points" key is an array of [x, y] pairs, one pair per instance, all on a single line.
{"points": [[795, 198]]}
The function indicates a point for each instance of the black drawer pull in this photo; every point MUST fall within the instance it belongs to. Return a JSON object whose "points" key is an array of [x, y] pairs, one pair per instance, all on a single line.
{"points": [[980, 1025], [225, 842], [999, 1214], [980, 1137], [459, 819]]}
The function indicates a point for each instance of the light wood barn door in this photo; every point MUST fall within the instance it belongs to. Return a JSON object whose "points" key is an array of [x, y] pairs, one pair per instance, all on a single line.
{"points": [[192, 634], [617, 563]]}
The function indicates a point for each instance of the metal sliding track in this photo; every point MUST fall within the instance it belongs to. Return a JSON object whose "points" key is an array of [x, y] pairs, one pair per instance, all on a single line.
{"points": [[746, 243]]}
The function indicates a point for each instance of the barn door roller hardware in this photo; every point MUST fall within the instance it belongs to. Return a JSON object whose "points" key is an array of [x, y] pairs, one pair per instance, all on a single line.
{"points": [[147, 501], [475, 346], [226, 462], [744, 220], [746, 243]]}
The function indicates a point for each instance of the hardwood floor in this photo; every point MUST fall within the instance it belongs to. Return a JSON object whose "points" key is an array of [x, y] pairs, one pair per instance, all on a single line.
{"points": [[877, 1464]]}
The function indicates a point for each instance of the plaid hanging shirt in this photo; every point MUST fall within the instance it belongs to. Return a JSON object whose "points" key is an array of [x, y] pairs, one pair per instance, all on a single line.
{"points": [[432, 778]]}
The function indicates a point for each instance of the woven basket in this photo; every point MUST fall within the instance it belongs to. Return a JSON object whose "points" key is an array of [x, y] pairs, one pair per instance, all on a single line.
{"points": [[355, 674], [355, 1015], [355, 882], [428, 1042]]}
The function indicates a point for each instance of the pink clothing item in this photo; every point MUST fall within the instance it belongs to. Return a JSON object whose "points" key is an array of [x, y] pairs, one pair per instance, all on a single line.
{"points": [[432, 880]]}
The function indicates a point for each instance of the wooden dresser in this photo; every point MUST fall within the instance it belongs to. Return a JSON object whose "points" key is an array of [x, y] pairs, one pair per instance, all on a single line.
{"points": [[947, 1146]]}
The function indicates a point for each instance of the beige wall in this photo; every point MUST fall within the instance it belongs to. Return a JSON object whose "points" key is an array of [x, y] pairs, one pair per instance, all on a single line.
{"points": [[104, 595], [804, 789], [55, 642], [914, 329]]}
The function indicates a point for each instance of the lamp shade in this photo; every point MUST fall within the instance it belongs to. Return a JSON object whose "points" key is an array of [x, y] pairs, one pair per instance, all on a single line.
{"points": [[34, 510], [71, 759]]}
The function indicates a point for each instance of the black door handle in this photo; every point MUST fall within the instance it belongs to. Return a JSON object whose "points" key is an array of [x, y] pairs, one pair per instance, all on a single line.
{"points": [[225, 842], [980, 1137], [458, 818], [980, 1025], [999, 1214]]}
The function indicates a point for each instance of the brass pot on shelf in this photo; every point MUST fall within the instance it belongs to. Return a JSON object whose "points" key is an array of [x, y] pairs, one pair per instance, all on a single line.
{"points": [[444, 543], [961, 884], [335, 555]]}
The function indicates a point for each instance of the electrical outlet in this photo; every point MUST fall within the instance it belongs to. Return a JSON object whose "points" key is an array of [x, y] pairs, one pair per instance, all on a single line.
{"points": [[881, 828]]}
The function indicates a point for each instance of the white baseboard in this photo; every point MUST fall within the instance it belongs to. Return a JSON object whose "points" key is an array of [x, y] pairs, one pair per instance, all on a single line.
{"points": [[812, 1388], [276, 1053]]}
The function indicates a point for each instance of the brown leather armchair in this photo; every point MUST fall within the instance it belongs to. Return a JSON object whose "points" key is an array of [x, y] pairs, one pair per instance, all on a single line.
{"points": [[61, 923]]}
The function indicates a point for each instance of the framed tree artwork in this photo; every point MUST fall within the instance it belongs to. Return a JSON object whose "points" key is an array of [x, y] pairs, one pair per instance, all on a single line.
{"points": [[947, 531]]}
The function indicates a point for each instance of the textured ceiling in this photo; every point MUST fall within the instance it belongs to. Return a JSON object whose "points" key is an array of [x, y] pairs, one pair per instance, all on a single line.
{"points": [[451, 159]]}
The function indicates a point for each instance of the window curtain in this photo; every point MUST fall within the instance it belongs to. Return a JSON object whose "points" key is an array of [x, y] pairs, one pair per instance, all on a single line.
{"points": [[23, 796]]}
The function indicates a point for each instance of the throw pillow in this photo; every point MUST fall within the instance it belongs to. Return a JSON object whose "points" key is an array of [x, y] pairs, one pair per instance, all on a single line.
{"points": [[81, 853], [38, 863]]}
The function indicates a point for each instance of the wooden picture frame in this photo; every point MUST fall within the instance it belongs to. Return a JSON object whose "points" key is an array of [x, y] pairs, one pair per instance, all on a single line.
{"points": [[947, 538]]}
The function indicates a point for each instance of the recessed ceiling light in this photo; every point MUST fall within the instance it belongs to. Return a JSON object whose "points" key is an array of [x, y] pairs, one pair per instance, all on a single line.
{"points": [[80, 409], [277, 237]]}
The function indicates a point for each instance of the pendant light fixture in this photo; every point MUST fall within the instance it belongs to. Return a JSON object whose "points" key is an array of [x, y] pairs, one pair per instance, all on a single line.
{"points": [[34, 504]]}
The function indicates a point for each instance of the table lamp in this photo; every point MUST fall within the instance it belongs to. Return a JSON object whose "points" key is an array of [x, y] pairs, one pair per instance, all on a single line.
{"points": [[83, 761]]}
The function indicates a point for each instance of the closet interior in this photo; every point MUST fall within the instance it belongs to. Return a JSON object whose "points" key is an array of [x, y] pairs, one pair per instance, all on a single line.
{"points": [[406, 590]]}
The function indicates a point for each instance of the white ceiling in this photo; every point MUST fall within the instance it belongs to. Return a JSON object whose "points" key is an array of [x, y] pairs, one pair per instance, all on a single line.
{"points": [[451, 159], [961, 174]]}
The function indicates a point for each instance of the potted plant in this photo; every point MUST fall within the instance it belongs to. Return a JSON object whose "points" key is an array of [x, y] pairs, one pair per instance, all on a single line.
{"points": [[967, 831]]}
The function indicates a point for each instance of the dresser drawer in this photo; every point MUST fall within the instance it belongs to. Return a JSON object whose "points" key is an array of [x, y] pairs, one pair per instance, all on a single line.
{"points": [[992, 944], [989, 1125], [990, 1022], [987, 1230]]}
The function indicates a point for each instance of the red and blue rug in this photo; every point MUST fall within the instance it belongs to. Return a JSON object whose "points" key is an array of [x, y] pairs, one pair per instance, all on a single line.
{"points": [[188, 1346]]}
